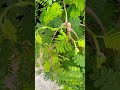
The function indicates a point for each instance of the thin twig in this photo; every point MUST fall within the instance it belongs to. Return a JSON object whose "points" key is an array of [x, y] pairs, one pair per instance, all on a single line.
{"points": [[82, 25], [65, 12], [75, 33], [57, 31]]}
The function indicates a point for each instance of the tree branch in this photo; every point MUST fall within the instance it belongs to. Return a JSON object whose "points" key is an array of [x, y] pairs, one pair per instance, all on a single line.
{"points": [[90, 11]]}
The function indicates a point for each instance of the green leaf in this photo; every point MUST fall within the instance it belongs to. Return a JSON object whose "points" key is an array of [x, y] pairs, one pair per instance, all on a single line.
{"points": [[103, 71], [47, 36], [38, 39], [60, 37], [110, 86], [75, 24], [112, 41], [9, 30], [52, 12], [75, 12], [80, 4], [110, 75], [56, 22], [64, 35], [81, 43], [24, 3], [54, 59], [76, 51], [49, 2], [47, 66], [80, 60], [99, 82]]}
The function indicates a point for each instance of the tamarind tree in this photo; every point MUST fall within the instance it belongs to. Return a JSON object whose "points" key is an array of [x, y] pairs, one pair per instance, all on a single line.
{"points": [[60, 41]]}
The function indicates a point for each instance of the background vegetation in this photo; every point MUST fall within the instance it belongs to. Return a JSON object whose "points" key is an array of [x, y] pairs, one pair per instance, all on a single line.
{"points": [[102, 45], [16, 45]]}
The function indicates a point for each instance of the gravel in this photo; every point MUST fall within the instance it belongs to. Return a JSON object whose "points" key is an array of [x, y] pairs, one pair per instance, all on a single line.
{"points": [[42, 84]]}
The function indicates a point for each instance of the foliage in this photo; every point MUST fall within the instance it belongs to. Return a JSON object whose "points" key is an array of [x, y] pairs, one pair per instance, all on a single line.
{"points": [[102, 68], [63, 57], [16, 44]]}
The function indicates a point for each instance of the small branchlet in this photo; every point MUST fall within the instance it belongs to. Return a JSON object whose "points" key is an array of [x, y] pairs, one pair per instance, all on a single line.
{"points": [[68, 24]]}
